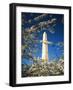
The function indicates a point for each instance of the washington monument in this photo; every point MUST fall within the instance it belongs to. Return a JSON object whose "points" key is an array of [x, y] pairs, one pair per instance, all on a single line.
{"points": [[45, 57]]}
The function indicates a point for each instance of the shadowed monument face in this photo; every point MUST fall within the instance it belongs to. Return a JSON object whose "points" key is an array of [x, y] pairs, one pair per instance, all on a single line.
{"points": [[45, 48]]}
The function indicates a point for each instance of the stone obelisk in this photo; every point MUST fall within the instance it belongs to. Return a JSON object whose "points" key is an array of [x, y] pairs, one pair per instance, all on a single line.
{"points": [[45, 48]]}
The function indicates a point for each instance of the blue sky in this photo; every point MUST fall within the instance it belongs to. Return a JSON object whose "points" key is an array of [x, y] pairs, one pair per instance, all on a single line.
{"points": [[57, 36]]}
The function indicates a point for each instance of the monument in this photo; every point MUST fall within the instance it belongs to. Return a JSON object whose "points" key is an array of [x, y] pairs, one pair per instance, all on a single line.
{"points": [[45, 57]]}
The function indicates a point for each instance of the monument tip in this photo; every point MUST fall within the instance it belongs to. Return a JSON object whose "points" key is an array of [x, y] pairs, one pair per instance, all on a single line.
{"points": [[44, 36], [44, 33]]}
